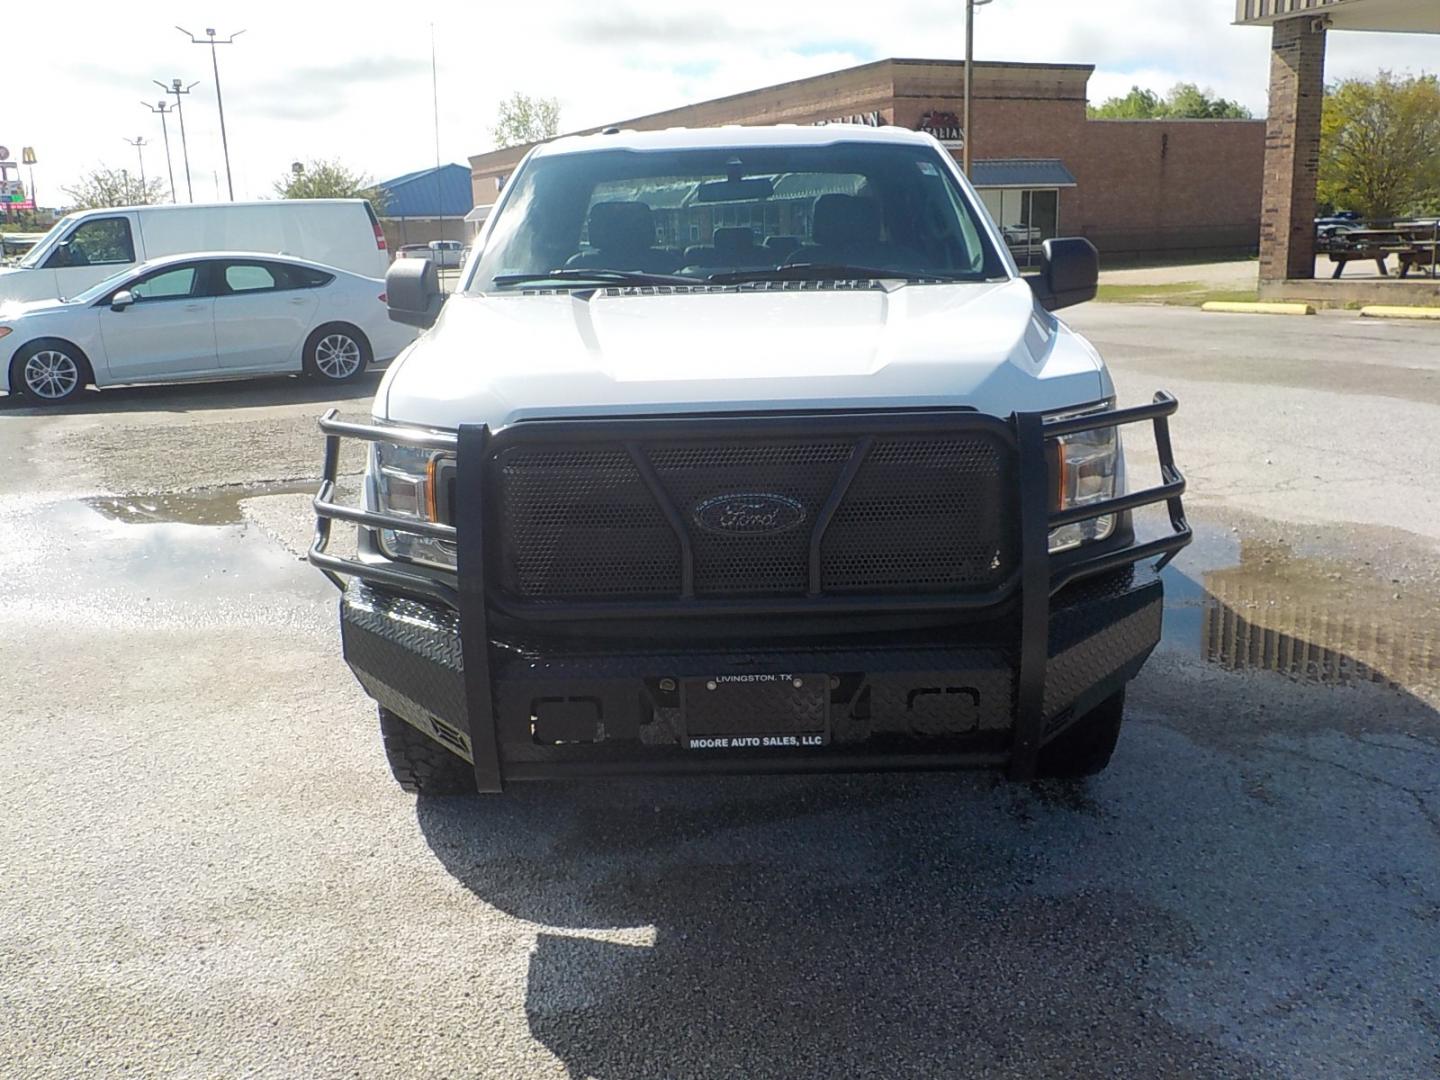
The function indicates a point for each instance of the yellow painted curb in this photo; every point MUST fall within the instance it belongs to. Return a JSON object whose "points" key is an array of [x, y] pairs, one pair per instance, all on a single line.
{"points": [[1237, 308], [1380, 311]]}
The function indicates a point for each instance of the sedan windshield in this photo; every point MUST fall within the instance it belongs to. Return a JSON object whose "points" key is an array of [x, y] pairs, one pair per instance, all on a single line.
{"points": [[731, 215]]}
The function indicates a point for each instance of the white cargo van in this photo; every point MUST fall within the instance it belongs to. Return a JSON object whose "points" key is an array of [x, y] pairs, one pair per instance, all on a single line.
{"points": [[85, 247]]}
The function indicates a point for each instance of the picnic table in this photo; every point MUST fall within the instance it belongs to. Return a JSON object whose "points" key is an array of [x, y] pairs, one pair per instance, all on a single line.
{"points": [[1412, 245]]}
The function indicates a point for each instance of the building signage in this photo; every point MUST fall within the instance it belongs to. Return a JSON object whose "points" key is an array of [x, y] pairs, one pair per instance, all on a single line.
{"points": [[945, 126], [870, 119]]}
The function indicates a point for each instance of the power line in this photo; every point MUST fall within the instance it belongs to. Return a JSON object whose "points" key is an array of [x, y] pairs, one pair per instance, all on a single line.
{"points": [[212, 41]]}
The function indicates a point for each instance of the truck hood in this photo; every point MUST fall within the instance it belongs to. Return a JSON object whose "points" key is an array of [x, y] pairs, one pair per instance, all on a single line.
{"points": [[502, 359]]}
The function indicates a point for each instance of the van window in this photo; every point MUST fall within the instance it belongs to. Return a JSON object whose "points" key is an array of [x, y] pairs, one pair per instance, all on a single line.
{"points": [[103, 241]]}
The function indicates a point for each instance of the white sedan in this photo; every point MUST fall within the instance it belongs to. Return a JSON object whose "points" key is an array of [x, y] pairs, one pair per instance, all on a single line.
{"points": [[187, 317]]}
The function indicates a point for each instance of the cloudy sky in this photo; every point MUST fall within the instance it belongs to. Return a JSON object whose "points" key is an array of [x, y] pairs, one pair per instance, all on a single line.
{"points": [[353, 82]]}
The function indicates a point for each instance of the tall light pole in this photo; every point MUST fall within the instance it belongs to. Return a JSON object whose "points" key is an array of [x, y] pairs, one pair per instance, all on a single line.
{"points": [[212, 41], [970, 6], [177, 89], [163, 107], [139, 143]]}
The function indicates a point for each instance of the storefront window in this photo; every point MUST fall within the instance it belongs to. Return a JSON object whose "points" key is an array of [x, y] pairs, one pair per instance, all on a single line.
{"points": [[1026, 218]]}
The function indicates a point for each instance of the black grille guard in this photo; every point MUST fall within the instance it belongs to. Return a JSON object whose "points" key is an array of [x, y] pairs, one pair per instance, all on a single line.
{"points": [[1039, 575]]}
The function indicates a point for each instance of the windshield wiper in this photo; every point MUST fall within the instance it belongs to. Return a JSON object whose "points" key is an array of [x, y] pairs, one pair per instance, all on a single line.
{"points": [[829, 272], [599, 275]]}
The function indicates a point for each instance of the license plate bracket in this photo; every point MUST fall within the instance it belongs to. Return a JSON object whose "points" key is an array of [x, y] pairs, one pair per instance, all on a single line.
{"points": [[755, 712]]}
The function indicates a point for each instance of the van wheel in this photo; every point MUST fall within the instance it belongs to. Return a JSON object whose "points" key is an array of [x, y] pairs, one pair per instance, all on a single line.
{"points": [[51, 372], [1084, 749], [337, 352], [419, 763]]}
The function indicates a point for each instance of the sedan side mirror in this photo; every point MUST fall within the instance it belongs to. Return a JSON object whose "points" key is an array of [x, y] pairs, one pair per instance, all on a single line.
{"points": [[1069, 273], [412, 290], [121, 300]]}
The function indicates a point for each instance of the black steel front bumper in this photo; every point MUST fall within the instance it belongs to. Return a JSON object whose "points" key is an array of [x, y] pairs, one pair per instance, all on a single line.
{"points": [[989, 687]]}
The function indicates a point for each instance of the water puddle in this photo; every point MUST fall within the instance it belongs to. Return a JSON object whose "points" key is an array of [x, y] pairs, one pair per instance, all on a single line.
{"points": [[214, 506], [1245, 603], [194, 558]]}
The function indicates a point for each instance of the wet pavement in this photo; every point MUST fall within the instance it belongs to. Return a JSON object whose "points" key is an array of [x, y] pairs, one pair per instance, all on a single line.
{"points": [[209, 871]]}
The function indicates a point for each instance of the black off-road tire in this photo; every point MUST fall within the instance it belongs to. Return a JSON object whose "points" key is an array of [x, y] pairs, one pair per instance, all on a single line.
{"points": [[420, 764], [1084, 748]]}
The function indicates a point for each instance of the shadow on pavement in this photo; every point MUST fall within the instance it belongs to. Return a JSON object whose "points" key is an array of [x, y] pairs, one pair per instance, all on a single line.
{"points": [[820, 927], [191, 397], [1145, 923]]}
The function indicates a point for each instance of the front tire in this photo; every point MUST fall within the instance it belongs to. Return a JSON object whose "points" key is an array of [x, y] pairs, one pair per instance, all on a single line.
{"points": [[1085, 747], [420, 764], [337, 353], [50, 372]]}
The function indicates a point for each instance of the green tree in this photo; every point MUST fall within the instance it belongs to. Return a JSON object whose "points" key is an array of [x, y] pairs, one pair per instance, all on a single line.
{"points": [[320, 179], [105, 187], [1380, 145], [1185, 101], [522, 119]]}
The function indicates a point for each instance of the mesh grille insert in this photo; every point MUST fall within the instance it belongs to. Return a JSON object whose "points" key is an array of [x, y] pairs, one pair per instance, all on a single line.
{"points": [[924, 514]]}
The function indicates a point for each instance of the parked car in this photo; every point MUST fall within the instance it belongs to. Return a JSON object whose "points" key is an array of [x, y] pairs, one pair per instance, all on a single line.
{"points": [[218, 315], [87, 247], [444, 253], [856, 501]]}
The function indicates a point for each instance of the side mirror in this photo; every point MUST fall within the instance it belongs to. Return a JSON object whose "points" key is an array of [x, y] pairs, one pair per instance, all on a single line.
{"points": [[412, 291], [121, 300], [1069, 273], [59, 257]]}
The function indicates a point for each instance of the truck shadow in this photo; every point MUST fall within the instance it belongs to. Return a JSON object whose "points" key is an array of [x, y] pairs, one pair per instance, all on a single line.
{"points": [[190, 397], [927, 925]]}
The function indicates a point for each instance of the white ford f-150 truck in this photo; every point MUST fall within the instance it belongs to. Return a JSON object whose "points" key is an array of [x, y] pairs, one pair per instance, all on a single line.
{"points": [[746, 449]]}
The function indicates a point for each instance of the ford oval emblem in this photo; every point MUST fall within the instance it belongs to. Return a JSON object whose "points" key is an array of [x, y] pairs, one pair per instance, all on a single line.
{"points": [[751, 514]]}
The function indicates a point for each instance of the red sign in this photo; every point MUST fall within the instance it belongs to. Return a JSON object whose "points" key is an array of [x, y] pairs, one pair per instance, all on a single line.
{"points": [[22, 204]]}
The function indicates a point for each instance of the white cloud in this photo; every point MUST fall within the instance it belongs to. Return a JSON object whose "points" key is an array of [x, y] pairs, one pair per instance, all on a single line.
{"points": [[354, 83]]}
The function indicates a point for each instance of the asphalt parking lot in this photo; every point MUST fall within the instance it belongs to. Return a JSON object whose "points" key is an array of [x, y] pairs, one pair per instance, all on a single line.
{"points": [[209, 873]]}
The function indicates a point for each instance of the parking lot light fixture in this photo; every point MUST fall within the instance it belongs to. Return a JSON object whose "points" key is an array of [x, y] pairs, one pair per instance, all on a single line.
{"points": [[178, 89], [211, 40], [163, 107]]}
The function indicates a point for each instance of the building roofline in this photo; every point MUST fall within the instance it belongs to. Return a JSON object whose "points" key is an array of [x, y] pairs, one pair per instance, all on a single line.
{"points": [[893, 61]]}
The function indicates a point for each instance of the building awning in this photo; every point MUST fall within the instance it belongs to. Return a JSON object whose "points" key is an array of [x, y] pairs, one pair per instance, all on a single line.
{"points": [[479, 214], [1021, 173]]}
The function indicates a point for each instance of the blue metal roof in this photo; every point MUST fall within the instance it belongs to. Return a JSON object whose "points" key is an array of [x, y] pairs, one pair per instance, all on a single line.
{"points": [[415, 194], [1021, 173]]}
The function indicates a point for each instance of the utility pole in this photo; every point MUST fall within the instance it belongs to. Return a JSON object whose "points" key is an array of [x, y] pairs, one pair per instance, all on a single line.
{"points": [[212, 41], [970, 6], [139, 143], [177, 89], [163, 107], [435, 101]]}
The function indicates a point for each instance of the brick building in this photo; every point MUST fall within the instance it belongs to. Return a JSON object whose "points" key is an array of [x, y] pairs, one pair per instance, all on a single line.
{"points": [[1134, 187]]}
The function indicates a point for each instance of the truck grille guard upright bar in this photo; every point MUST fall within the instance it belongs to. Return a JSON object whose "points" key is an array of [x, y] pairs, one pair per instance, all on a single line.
{"points": [[1038, 579]]}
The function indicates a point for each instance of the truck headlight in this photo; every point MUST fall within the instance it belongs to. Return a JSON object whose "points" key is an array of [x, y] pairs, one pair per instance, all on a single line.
{"points": [[417, 484], [1085, 468]]}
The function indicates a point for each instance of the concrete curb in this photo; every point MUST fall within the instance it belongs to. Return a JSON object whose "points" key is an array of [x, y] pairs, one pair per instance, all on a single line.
{"points": [[1382, 311], [1237, 308]]}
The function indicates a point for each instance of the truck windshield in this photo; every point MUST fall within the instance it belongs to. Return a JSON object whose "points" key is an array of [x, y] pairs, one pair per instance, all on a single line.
{"points": [[735, 214]]}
